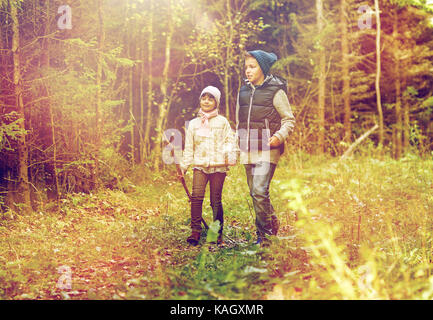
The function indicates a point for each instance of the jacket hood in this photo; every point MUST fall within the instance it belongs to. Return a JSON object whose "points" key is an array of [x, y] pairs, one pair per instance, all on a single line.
{"points": [[271, 79]]}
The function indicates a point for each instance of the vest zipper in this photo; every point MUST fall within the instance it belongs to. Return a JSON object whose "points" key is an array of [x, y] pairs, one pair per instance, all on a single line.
{"points": [[268, 132], [249, 115]]}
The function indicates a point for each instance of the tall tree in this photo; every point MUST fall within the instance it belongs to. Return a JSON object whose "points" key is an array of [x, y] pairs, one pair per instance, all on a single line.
{"points": [[345, 71], [52, 177], [130, 53], [149, 105], [397, 81], [321, 77], [141, 56], [98, 105], [228, 58], [378, 73], [163, 86], [23, 178]]}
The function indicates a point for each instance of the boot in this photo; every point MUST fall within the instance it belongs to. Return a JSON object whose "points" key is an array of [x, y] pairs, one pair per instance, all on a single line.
{"points": [[220, 239], [194, 238]]}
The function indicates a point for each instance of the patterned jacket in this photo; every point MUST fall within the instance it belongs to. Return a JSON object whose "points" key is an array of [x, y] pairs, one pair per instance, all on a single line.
{"points": [[217, 150]]}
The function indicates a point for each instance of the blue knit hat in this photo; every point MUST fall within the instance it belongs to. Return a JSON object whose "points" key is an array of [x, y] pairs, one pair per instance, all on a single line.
{"points": [[265, 59]]}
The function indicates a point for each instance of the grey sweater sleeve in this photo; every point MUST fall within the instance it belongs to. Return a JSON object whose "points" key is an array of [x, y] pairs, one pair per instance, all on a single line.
{"points": [[282, 105], [237, 113]]}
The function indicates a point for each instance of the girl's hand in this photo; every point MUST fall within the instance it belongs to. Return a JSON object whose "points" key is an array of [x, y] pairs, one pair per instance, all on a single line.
{"points": [[179, 175], [274, 142]]}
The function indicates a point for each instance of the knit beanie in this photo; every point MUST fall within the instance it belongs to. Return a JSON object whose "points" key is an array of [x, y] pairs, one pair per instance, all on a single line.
{"points": [[265, 59], [214, 92]]}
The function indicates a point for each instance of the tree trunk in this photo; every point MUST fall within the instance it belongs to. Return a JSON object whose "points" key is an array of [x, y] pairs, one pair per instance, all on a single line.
{"points": [[101, 38], [378, 69], [228, 61], [406, 119], [149, 81], [23, 178], [141, 97], [163, 106], [2, 69], [345, 72], [130, 90], [396, 48], [322, 76], [53, 135], [51, 177], [46, 63], [98, 106], [226, 90]]}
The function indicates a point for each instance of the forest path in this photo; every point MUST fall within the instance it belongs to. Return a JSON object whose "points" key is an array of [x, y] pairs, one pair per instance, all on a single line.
{"points": [[131, 244], [96, 248]]}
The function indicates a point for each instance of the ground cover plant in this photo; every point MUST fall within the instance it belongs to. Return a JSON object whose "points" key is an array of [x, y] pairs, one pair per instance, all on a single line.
{"points": [[353, 229]]}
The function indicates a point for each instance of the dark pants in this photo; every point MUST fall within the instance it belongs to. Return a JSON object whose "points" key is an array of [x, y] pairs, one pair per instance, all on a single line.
{"points": [[216, 182], [259, 178]]}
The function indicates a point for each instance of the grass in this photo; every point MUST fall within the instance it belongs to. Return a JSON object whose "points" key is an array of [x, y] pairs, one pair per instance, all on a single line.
{"points": [[357, 229]]}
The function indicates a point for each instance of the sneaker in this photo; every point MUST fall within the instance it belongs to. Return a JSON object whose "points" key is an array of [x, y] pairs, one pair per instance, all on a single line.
{"points": [[262, 241], [258, 241], [194, 238]]}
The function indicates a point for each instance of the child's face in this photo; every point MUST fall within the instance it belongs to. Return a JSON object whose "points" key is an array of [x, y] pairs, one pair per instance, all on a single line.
{"points": [[207, 102], [253, 71]]}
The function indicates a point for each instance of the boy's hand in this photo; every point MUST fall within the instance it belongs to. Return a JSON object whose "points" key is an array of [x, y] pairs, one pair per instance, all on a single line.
{"points": [[231, 161], [274, 142]]}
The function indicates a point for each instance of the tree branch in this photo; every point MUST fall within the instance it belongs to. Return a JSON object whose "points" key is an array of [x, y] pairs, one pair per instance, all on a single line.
{"points": [[357, 142]]}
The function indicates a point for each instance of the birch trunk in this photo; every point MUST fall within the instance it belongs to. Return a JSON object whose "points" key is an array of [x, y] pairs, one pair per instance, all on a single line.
{"points": [[378, 70]]}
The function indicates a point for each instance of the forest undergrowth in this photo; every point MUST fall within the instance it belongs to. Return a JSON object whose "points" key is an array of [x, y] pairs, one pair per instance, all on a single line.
{"points": [[354, 229]]}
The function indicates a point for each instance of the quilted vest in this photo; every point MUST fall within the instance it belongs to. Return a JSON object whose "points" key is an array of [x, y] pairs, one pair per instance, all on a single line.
{"points": [[258, 118]]}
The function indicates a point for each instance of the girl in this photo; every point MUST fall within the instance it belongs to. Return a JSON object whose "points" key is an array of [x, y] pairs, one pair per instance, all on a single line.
{"points": [[209, 149]]}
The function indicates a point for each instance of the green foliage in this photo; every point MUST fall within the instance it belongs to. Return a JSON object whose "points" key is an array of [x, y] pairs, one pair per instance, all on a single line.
{"points": [[422, 4], [428, 103], [10, 130], [357, 229], [212, 233], [363, 217], [353, 229]]}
